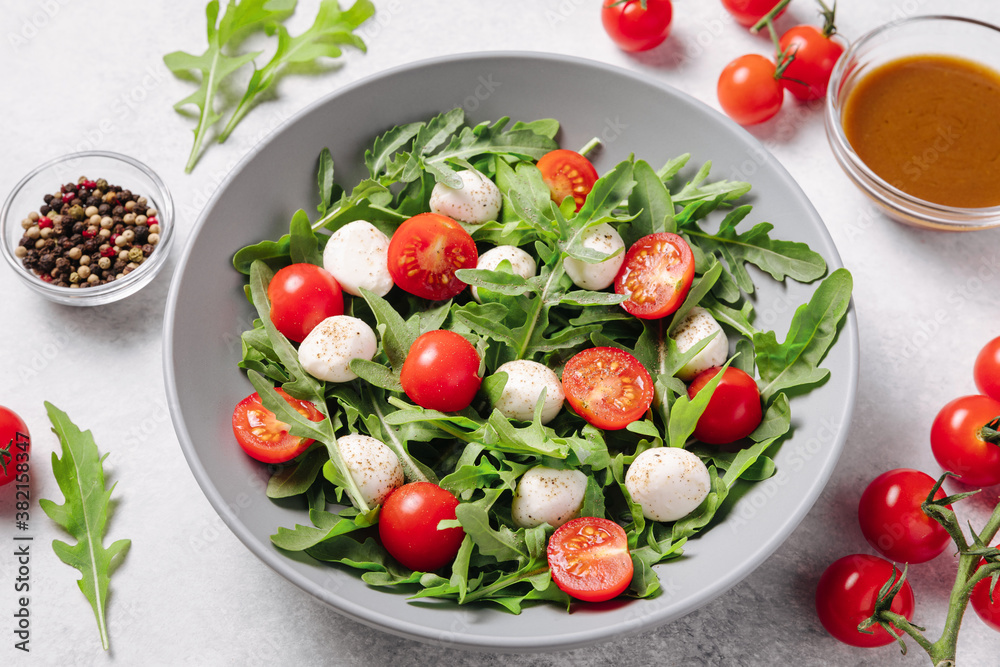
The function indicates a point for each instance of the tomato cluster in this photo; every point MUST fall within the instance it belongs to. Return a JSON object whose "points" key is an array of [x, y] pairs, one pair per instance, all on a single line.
{"points": [[966, 442], [15, 447]]}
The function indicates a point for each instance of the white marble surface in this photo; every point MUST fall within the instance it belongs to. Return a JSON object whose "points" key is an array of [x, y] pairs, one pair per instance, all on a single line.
{"points": [[79, 75]]}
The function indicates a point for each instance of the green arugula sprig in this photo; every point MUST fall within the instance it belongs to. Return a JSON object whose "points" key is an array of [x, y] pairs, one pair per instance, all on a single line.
{"points": [[84, 514], [331, 28]]}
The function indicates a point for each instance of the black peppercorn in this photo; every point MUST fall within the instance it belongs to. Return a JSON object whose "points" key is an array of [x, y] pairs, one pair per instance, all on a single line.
{"points": [[118, 211], [47, 198], [44, 209], [141, 234], [46, 262]]}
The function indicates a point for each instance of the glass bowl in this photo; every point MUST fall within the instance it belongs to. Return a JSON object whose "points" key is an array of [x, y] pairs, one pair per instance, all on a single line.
{"points": [[920, 35], [119, 170]]}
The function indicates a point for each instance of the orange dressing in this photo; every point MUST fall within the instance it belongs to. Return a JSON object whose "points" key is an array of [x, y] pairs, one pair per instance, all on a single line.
{"points": [[930, 126]]}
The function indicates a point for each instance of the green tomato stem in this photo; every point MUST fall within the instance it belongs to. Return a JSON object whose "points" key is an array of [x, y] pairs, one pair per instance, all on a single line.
{"points": [[900, 621], [991, 432], [768, 18]]}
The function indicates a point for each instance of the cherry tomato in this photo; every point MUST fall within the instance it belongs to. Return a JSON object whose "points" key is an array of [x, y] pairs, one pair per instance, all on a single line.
{"points": [[815, 55], [656, 275], [958, 443], [748, 91], [15, 447], [425, 252], [634, 28], [987, 370], [302, 296], [408, 526], [263, 436], [988, 609], [892, 521], [608, 387], [441, 371], [734, 410], [846, 596], [589, 559], [749, 12], [568, 174]]}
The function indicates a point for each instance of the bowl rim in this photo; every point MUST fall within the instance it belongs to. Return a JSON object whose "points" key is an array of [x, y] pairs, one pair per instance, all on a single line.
{"points": [[101, 293], [482, 641], [938, 215]]}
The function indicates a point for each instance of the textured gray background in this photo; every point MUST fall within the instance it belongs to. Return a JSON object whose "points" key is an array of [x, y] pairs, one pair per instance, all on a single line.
{"points": [[79, 75]]}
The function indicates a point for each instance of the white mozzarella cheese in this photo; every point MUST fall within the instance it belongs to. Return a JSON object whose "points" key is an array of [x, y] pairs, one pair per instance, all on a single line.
{"points": [[525, 381], [547, 495], [375, 468], [668, 482], [698, 325], [478, 200], [603, 238], [327, 351], [357, 256]]}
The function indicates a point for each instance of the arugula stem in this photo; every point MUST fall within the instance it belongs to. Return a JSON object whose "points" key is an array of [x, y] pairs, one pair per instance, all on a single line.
{"points": [[502, 583], [411, 471], [202, 128], [447, 428], [589, 146], [532, 320]]}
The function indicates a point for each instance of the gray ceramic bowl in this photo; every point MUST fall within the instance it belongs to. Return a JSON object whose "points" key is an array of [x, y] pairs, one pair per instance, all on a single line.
{"points": [[207, 311]]}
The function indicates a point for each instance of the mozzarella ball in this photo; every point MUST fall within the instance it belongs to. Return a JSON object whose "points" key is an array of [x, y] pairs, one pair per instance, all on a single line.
{"points": [[478, 200], [521, 262], [375, 468], [547, 495], [699, 325], [357, 255], [668, 482], [327, 351], [525, 381], [603, 238]]}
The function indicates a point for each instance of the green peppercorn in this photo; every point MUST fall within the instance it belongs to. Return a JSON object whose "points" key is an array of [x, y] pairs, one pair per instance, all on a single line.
{"points": [[135, 255], [76, 212], [74, 277], [101, 184]]}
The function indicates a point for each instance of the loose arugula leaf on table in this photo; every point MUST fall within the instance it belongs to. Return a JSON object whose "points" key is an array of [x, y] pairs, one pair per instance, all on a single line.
{"points": [[331, 28], [240, 18], [84, 514]]}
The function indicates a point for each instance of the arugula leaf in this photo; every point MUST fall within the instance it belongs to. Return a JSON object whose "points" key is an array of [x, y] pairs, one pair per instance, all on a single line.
{"points": [[650, 203], [84, 514], [296, 478], [241, 16], [795, 362], [331, 28]]}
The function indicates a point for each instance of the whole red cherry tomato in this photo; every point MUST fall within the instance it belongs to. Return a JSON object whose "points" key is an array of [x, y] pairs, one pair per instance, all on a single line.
{"points": [[734, 410], [634, 27], [964, 443], [987, 608], [893, 522], [846, 595], [15, 447], [408, 526], [441, 371], [815, 54], [302, 296], [749, 12], [749, 91], [987, 369]]}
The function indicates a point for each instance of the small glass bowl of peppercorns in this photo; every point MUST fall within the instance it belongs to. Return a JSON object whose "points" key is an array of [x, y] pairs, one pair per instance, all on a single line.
{"points": [[88, 228]]}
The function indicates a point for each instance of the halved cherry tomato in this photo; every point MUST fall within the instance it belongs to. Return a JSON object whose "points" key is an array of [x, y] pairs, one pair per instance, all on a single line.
{"points": [[987, 369], [637, 25], [608, 387], [960, 442], [807, 76], [589, 559], [568, 174], [749, 12], [408, 526], [893, 522], [749, 91], [263, 436], [302, 296], [441, 371], [425, 252], [15, 446], [846, 596], [656, 275], [734, 410]]}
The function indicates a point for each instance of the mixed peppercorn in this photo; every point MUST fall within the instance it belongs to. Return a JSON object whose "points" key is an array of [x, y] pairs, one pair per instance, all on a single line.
{"points": [[88, 233]]}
